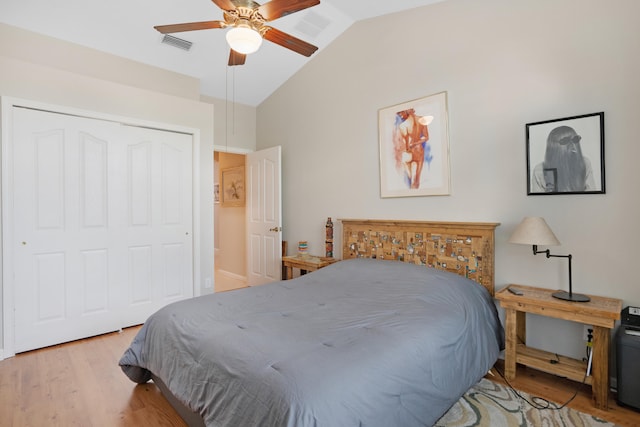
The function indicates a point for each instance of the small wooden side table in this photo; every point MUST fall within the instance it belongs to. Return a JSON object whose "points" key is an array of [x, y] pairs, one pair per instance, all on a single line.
{"points": [[304, 263], [600, 312]]}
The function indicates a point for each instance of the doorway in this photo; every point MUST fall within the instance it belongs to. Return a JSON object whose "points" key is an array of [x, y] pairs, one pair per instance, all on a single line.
{"points": [[247, 229], [229, 230]]}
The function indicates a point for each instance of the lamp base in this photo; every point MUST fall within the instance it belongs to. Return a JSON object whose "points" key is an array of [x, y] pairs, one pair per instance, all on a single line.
{"points": [[571, 297]]}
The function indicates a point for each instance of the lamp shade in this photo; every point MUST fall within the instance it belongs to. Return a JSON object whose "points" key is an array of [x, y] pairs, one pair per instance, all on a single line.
{"points": [[244, 39], [534, 231]]}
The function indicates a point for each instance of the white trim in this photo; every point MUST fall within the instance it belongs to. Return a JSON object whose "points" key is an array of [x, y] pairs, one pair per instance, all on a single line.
{"points": [[6, 261], [195, 210], [5, 235], [234, 150]]}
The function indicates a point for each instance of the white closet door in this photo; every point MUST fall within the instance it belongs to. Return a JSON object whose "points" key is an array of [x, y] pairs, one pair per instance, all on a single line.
{"points": [[87, 212], [62, 253], [157, 231]]}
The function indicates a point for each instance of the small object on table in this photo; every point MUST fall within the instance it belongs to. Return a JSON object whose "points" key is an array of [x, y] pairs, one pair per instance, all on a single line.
{"points": [[329, 238], [303, 248], [515, 291]]}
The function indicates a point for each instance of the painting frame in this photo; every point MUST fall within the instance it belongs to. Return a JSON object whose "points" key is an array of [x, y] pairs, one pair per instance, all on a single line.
{"points": [[413, 143], [566, 155], [232, 192]]}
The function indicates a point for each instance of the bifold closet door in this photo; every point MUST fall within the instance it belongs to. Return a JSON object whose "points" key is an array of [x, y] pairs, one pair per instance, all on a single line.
{"points": [[87, 201], [156, 236]]}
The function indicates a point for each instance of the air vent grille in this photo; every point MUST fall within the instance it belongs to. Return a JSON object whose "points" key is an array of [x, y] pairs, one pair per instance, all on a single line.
{"points": [[176, 42], [312, 24]]}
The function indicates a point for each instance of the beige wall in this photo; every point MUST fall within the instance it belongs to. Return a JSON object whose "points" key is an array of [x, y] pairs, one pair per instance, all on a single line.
{"points": [[235, 126], [503, 64], [34, 48]]}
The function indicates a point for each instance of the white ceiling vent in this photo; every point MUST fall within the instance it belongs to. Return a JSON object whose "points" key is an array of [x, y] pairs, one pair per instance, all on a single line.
{"points": [[176, 42], [312, 24]]}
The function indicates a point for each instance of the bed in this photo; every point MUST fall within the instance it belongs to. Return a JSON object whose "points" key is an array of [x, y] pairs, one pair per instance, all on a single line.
{"points": [[366, 341]]}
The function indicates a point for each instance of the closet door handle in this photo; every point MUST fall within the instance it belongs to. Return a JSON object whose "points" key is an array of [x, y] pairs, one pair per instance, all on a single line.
{"points": [[276, 229]]}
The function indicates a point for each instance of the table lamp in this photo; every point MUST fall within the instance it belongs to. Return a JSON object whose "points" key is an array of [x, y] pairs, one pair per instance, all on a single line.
{"points": [[535, 231]]}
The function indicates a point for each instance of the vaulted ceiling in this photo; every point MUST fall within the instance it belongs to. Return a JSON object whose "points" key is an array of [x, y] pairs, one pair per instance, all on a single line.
{"points": [[125, 28]]}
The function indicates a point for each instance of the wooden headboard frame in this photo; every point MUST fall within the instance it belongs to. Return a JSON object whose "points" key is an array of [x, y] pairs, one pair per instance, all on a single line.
{"points": [[464, 248]]}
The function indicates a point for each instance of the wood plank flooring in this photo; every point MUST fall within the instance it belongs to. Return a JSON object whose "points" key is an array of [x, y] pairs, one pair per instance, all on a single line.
{"points": [[80, 384], [560, 390]]}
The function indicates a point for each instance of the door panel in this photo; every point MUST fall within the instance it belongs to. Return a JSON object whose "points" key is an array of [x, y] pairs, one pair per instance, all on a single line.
{"points": [[50, 285], [173, 265], [48, 151], [94, 199], [95, 280], [139, 183], [139, 278]]}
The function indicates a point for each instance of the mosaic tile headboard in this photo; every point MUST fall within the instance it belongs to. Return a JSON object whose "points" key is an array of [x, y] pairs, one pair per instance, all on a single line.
{"points": [[464, 248]]}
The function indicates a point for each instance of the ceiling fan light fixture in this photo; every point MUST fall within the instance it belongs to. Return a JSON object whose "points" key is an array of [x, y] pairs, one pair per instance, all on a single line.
{"points": [[244, 39]]}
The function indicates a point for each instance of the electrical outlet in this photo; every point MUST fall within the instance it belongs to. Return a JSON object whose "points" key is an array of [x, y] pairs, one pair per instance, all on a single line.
{"points": [[585, 333], [207, 283]]}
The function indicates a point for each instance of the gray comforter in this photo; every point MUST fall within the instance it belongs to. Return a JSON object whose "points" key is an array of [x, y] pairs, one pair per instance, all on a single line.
{"points": [[358, 343]]}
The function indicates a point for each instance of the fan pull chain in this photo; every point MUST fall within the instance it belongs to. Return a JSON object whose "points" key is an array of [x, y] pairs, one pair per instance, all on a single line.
{"points": [[226, 109], [226, 105]]}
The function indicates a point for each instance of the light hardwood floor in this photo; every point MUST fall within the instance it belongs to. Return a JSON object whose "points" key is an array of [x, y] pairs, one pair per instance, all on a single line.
{"points": [[560, 390], [80, 384]]}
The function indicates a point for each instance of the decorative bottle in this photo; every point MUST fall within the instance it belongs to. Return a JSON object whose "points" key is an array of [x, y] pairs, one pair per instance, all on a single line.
{"points": [[329, 238]]}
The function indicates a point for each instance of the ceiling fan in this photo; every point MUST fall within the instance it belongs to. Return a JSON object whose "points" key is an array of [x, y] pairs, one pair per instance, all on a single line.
{"points": [[247, 21]]}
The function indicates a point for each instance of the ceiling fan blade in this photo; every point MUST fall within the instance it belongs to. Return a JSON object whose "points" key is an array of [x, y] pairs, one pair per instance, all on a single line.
{"points": [[191, 26], [225, 4], [290, 42], [278, 8], [236, 58]]}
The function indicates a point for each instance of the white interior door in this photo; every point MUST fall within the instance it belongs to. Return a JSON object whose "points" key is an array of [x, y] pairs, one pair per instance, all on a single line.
{"points": [[264, 216], [99, 226]]}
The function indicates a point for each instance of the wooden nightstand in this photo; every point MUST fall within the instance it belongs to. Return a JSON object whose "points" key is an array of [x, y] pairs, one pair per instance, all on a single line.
{"points": [[600, 312], [304, 263]]}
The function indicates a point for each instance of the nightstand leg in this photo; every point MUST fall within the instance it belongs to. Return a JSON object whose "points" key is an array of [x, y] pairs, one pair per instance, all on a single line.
{"points": [[600, 367], [511, 336]]}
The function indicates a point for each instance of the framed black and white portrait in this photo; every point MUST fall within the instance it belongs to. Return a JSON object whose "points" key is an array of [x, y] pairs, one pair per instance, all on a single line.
{"points": [[566, 156]]}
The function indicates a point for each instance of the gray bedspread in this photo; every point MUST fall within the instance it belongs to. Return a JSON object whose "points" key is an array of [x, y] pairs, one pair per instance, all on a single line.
{"points": [[358, 343]]}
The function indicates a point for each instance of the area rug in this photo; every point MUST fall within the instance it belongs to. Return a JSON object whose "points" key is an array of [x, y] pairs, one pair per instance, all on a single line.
{"points": [[488, 404]]}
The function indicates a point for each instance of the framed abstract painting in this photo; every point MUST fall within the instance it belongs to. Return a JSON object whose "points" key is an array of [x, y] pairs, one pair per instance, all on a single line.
{"points": [[414, 148]]}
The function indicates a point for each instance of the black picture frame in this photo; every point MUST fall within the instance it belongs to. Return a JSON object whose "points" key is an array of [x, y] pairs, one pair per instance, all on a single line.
{"points": [[566, 156]]}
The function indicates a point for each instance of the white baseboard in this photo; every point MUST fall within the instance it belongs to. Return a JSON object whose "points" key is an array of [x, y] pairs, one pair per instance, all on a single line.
{"points": [[231, 275]]}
